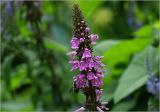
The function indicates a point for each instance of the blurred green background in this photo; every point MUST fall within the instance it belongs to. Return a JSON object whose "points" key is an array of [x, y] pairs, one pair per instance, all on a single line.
{"points": [[35, 37]]}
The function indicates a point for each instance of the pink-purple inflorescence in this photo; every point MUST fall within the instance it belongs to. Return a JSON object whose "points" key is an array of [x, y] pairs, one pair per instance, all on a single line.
{"points": [[89, 80]]}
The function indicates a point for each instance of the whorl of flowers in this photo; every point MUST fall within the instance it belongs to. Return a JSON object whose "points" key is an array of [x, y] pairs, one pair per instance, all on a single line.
{"points": [[89, 80]]}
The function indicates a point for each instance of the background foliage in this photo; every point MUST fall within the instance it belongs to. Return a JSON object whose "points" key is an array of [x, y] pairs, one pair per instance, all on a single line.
{"points": [[35, 37]]}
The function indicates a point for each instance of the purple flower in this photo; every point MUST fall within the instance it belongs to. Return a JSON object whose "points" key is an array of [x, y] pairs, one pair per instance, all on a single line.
{"points": [[99, 74], [99, 70], [98, 93], [153, 85], [93, 43], [132, 18], [157, 89], [93, 37], [82, 34], [87, 29], [158, 86], [90, 62], [130, 21], [87, 53], [97, 60], [81, 39], [73, 54], [83, 65], [94, 65], [9, 8], [75, 43], [91, 76], [99, 57], [75, 64], [81, 81], [97, 82], [138, 25]]}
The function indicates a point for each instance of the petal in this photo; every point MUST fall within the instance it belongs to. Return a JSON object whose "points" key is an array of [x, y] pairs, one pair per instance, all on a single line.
{"points": [[91, 76], [86, 53], [87, 29], [83, 65], [73, 54], [75, 43]]}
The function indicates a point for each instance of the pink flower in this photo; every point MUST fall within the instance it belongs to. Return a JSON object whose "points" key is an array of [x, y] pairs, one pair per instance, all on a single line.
{"points": [[83, 65], [73, 53], [82, 34], [90, 66], [93, 37], [99, 57], [99, 74], [98, 93], [97, 82], [75, 64], [91, 75], [75, 43], [86, 53], [80, 80], [87, 29], [81, 39], [93, 43], [97, 60]]}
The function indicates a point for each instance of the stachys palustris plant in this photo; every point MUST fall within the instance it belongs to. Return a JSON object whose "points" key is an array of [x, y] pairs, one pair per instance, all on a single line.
{"points": [[89, 80]]}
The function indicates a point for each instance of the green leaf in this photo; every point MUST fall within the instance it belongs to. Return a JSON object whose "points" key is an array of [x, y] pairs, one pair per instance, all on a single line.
{"points": [[88, 7], [19, 76], [6, 70], [54, 46], [89, 10], [134, 77], [147, 30], [47, 8], [17, 106], [101, 47], [61, 35], [109, 90], [153, 104], [144, 31], [124, 106], [25, 33], [117, 57]]}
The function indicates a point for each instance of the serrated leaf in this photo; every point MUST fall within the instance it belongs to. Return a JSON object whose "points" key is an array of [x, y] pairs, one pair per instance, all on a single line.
{"points": [[134, 77]]}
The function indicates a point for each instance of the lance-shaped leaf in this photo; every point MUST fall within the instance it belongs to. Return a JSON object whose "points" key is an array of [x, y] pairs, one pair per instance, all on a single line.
{"points": [[135, 75]]}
